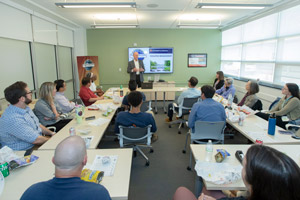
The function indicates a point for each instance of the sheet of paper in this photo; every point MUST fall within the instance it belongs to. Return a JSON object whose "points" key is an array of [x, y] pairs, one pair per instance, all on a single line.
{"points": [[105, 163], [262, 126], [105, 106], [98, 122], [262, 136]]}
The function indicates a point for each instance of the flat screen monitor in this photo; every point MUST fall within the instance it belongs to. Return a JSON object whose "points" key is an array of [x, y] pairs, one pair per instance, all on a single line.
{"points": [[197, 60], [156, 60]]}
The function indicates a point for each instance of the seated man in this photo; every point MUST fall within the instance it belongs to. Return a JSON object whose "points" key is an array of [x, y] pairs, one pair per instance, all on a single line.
{"points": [[135, 117], [191, 92], [60, 98], [132, 86], [69, 159], [86, 94], [208, 109], [20, 129], [227, 89]]}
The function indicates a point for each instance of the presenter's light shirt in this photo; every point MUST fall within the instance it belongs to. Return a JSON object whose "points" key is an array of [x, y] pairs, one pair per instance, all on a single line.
{"points": [[66, 189], [207, 110], [62, 101], [19, 128], [189, 93], [137, 65]]}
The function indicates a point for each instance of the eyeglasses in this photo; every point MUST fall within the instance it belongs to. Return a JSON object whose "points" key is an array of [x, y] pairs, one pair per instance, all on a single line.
{"points": [[29, 92]]}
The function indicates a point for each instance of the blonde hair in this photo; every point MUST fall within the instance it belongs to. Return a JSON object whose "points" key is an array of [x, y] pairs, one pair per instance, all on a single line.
{"points": [[46, 92]]}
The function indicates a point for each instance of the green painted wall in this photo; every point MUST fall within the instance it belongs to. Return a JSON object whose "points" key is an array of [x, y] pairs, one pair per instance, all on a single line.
{"points": [[111, 47]]}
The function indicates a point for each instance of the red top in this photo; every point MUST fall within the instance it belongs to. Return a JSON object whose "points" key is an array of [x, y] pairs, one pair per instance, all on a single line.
{"points": [[85, 94]]}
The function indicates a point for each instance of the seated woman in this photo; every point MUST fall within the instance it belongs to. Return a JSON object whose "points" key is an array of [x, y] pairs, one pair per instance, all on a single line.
{"points": [[219, 81], [267, 174], [98, 91], [62, 101], [46, 109], [227, 89], [250, 97], [288, 108]]}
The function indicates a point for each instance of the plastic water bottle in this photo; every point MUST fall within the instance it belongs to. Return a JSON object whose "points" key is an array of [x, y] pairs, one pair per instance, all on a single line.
{"points": [[272, 124], [209, 151], [121, 91], [230, 100]]}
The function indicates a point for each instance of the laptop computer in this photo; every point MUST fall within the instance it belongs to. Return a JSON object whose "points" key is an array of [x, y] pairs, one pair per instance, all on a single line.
{"points": [[147, 85]]}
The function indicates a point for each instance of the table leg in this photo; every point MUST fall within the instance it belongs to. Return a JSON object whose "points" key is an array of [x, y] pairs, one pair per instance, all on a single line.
{"points": [[155, 102], [164, 103], [198, 185]]}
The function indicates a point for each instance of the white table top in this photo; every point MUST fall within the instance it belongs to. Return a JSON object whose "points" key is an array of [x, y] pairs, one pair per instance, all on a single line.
{"points": [[255, 127], [20, 179], [198, 151], [96, 131]]}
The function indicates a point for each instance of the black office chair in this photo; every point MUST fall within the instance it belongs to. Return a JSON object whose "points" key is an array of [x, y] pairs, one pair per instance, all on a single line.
{"points": [[183, 109], [257, 106]]}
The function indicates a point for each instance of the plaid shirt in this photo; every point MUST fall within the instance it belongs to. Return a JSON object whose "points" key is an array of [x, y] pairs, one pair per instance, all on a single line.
{"points": [[19, 128]]}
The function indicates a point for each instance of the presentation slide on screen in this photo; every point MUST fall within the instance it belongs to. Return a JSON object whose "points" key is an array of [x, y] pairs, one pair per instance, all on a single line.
{"points": [[197, 60], [156, 60]]}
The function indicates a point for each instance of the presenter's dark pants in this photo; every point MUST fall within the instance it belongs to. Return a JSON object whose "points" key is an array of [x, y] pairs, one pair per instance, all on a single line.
{"points": [[138, 81], [279, 121], [170, 111]]}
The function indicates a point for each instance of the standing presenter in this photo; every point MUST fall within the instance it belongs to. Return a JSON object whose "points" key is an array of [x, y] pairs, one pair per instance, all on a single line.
{"points": [[136, 69]]}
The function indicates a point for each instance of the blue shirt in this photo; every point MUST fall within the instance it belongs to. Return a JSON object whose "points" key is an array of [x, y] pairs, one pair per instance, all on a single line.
{"points": [[19, 128], [66, 189], [189, 93], [125, 99], [207, 110], [140, 119], [225, 93]]}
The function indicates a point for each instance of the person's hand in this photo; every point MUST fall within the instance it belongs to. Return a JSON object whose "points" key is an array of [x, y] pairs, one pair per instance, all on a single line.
{"points": [[141, 70], [134, 69], [47, 118], [205, 197], [100, 98]]}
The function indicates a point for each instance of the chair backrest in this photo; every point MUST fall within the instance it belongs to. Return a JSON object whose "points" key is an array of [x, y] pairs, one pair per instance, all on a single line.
{"points": [[209, 131], [274, 103], [146, 106], [187, 105], [135, 135], [258, 105]]}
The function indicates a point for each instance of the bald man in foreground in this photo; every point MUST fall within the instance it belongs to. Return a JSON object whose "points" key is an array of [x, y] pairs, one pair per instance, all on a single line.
{"points": [[136, 69], [69, 159]]}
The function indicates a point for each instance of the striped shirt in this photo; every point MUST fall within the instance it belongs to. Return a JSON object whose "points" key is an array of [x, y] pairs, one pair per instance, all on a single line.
{"points": [[19, 128]]}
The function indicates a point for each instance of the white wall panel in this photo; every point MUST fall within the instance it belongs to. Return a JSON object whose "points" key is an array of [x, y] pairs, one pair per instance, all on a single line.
{"points": [[44, 31]]}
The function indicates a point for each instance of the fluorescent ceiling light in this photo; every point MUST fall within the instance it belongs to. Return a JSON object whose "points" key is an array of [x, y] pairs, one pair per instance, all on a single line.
{"points": [[232, 6], [114, 26], [198, 26], [97, 5], [115, 16]]}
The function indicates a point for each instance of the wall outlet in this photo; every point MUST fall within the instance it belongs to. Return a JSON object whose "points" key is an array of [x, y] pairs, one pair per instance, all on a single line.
{"points": [[120, 69], [134, 44]]}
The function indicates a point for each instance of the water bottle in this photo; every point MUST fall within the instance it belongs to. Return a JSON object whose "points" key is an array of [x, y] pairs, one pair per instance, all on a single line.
{"points": [[272, 124], [121, 90], [230, 100], [209, 151]]}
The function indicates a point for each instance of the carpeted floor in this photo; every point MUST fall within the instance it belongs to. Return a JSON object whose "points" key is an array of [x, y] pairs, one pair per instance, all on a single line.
{"points": [[167, 170]]}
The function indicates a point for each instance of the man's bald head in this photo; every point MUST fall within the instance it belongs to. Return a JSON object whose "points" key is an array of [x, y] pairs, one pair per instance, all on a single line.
{"points": [[135, 55], [70, 153]]}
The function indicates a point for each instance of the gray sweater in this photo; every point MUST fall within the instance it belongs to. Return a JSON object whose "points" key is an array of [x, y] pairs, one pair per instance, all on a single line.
{"points": [[291, 109], [42, 109]]}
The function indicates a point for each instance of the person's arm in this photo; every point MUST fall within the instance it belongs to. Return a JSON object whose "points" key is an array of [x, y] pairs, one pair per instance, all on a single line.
{"points": [[153, 128], [46, 131], [45, 109], [130, 68], [141, 66], [180, 98], [40, 140], [220, 91], [277, 107], [251, 100], [96, 99], [53, 107], [65, 104], [291, 105], [192, 116]]}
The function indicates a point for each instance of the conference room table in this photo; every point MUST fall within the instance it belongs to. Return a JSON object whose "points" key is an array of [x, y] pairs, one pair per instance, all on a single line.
{"points": [[163, 90], [43, 169], [198, 151], [96, 132], [254, 128]]}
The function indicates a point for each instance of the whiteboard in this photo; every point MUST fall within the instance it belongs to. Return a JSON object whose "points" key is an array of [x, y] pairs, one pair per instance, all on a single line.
{"points": [[15, 63]]}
